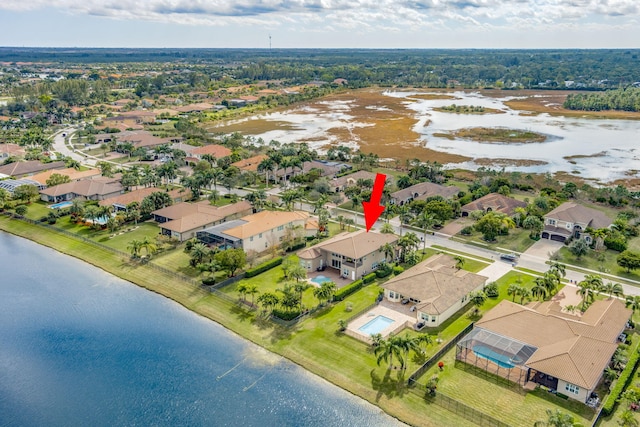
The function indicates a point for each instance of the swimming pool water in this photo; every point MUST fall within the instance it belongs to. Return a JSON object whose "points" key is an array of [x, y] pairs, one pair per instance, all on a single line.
{"points": [[320, 279], [61, 205], [376, 325], [500, 359]]}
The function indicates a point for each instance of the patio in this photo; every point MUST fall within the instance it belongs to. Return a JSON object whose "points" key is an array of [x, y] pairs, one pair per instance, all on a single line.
{"points": [[399, 322], [330, 273]]}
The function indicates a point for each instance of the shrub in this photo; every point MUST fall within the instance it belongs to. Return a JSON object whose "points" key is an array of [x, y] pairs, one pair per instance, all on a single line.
{"points": [[616, 241], [296, 247], [397, 270], [466, 231], [285, 314], [623, 381], [263, 267], [348, 290], [369, 278], [491, 290], [209, 281], [383, 270]]}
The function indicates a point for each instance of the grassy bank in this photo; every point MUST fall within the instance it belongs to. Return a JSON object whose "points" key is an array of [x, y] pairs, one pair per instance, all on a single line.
{"points": [[313, 344]]}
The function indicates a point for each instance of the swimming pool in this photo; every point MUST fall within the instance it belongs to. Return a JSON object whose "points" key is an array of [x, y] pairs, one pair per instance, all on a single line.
{"points": [[61, 205], [500, 359], [376, 325], [320, 279]]}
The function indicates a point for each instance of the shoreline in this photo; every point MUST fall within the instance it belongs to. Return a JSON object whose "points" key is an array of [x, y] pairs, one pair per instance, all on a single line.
{"points": [[184, 294]]}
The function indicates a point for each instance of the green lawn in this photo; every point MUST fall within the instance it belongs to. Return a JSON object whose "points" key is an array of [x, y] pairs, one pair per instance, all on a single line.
{"points": [[604, 262], [464, 254], [510, 405], [517, 240]]}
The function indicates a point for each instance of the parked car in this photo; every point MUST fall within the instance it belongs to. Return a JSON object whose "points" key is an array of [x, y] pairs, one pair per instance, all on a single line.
{"points": [[509, 257]]}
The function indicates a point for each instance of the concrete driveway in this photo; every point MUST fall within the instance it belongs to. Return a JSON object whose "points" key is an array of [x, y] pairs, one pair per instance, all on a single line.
{"points": [[543, 248]]}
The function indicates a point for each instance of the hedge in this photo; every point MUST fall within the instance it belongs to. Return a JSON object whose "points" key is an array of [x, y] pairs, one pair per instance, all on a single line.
{"points": [[623, 381], [369, 278], [209, 281], [397, 270], [296, 247], [285, 314], [263, 267], [383, 271], [348, 290]]}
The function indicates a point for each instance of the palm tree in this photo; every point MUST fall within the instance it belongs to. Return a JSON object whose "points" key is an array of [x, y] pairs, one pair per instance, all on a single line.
{"points": [[407, 243], [300, 287], [424, 220], [459, 262], [550, 282], [405, 217], [266, 166], [242, 290], [557, 419], [268, 300], [558, 269], [539, 290], [513, 290], [586, 291], [387, 228], [149, 246], [134, 247], [633, 302], [198, 252], [389, 250], [612, 289], [389, 348], [524, 293], [477, 298]]}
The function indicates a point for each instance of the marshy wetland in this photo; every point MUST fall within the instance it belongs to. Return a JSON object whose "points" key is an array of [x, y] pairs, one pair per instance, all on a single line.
{"points": [[518, 130]]}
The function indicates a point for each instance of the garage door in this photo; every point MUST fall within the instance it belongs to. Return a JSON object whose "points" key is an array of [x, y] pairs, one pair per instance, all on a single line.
{"points": [[558, 238]]}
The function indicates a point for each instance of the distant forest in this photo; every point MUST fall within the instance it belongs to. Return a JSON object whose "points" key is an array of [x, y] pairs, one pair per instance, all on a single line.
{"points": [[435, 68], [627, 99]]}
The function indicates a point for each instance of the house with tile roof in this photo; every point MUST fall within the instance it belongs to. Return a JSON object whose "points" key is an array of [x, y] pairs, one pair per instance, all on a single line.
{"points": [[422, 191], [183, 221], [260, 231], [86, 189], [339, 184], [435, 287], [539, 344], [352, 254], [29, 167], [570, 220], [121, 201], [493, 202]]}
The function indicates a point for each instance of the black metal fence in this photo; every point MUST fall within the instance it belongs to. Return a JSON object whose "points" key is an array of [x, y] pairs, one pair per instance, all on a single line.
{"points": [[461, 409], [413, 378]]}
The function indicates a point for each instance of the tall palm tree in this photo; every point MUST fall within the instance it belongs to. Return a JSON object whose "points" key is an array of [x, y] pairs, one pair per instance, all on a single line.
{"points": [[558, 269], [459, 262], [633, 302], [613, 289], [242, 290], [268, 300], [586, 291], [513, 290], [149, 246], [425, 220], [252, 290], [266, 166], [134, 247], [539, 289], [388, 348], [550, 282]]}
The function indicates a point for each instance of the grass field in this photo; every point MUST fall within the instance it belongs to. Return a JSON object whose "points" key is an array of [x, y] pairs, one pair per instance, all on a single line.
{"points": [[517, 240]]}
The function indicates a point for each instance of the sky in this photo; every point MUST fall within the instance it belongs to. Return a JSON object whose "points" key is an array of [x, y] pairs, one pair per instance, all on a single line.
{"points": [[321, 23]]}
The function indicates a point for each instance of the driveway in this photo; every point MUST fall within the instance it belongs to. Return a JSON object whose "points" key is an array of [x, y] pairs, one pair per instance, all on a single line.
{"points": [[543, 248]]}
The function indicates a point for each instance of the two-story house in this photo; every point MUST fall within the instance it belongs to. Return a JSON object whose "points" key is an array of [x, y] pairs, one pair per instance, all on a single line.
{"points": [[570, 220]]}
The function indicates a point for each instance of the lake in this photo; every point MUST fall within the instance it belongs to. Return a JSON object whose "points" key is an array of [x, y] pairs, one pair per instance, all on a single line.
{"points": [[82, 347]]}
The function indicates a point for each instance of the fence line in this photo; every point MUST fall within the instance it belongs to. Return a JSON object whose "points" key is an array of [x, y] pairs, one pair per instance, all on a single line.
{"points": [[461, 409], [413, 378]]}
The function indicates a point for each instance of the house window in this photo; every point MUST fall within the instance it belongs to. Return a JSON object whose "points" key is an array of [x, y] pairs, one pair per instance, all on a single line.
{"points": [[552, 222], [424, 317], [251, 239], [572, 388], [433, 318], [280, 227], [260, 236], [569, 225]]}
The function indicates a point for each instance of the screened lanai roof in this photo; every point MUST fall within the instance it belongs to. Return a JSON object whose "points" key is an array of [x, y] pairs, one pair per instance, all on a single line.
{"points": [[481, 340], [11, 184]]}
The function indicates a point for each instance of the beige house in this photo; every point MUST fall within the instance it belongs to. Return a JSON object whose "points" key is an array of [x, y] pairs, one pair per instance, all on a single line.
{"points": [[86, 189], [183, 221], [422, 191], [352, 254], [570, 220], [493, 202], [260, 231], [351, 180], [435, 287], [544, 345], [120, 202]]}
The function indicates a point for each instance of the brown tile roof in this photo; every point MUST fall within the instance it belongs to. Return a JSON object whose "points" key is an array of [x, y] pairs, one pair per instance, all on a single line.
{"points": [[576, 350], [352, 178], [187, 216], [189, 108], [138, 195], [12, 149], [424, 190], [74, 175], [436, 283], [496, 202], [264, 221], [86, 188], [215, 150], [578, 214], [140, 138], [28, 167], [189, 222], [250, 164], [353, 245]]}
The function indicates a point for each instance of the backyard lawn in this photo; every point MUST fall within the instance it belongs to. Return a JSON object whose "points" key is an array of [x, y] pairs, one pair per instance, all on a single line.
{"points": [[604, 262], [517, 240]]}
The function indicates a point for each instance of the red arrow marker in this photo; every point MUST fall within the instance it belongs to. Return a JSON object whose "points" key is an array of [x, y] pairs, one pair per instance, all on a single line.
{"points": [[372, 208]]}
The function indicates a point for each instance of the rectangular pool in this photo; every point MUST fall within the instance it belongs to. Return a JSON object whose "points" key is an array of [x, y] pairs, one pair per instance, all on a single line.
{"points": [[374, 326], [61, 205]]}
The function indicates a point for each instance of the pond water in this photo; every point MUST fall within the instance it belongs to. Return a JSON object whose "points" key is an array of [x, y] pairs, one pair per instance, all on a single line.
{"points": [[82, 347]]}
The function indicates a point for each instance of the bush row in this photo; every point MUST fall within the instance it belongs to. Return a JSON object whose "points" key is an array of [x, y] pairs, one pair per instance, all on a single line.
{"points": [[369, 278], [623, 381], [348, 290], [263, 267], [383, 271], [397, 270], [285, 314]]}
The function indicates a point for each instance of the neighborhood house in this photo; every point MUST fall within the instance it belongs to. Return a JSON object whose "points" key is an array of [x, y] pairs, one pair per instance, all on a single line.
{"points": [[570, 220]]}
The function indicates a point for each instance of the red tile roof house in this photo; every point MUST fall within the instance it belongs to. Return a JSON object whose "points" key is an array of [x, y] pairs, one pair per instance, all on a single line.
{"points": [[183, 220], [353, 255], [493, 202], [570, 220]]}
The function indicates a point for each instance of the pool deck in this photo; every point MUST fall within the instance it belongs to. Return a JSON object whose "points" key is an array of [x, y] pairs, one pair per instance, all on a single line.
{"points": [[330, 273], [400, 322]]}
